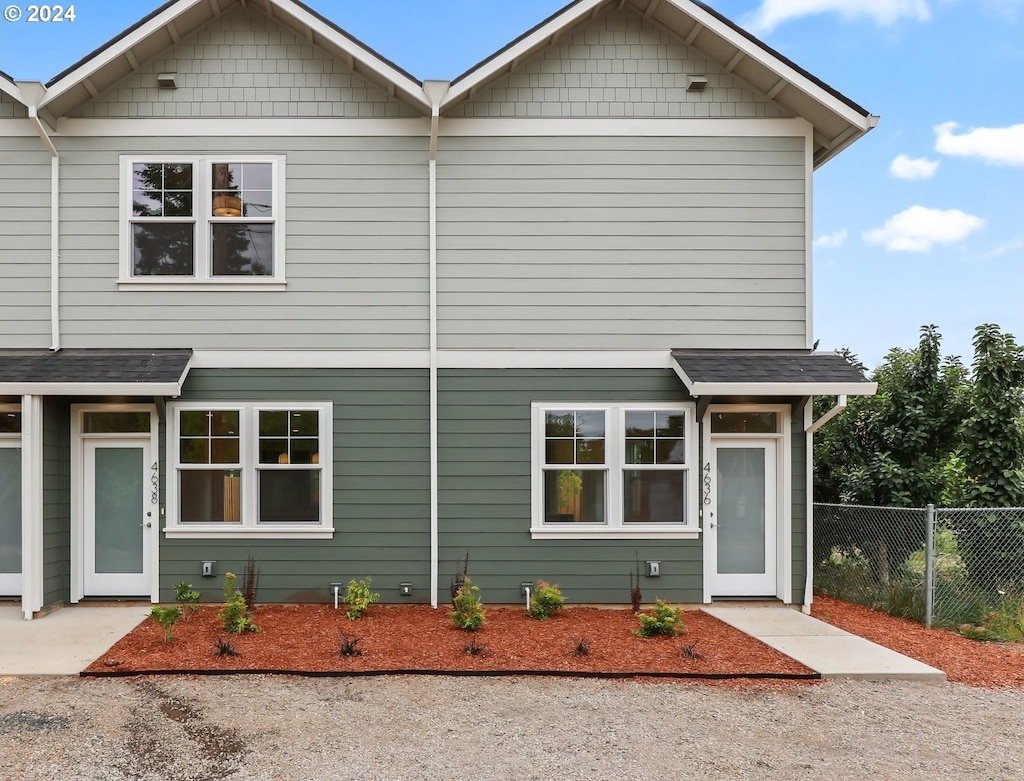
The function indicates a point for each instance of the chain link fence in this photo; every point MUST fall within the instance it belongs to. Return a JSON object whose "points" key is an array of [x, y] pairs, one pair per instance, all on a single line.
{"points": [[950, 567]]}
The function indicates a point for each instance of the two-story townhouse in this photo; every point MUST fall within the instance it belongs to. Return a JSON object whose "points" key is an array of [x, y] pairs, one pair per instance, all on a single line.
{"points": [[266, 294]]}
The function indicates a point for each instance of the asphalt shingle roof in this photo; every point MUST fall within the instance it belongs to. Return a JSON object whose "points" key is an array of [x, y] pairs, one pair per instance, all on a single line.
{"points": [[767, 366], [93, 366]]}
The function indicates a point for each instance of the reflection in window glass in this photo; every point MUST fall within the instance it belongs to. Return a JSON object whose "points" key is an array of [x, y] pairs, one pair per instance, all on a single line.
{"points": [[116, 422], [654, 496], [574, 496], [744, 423], [210, 495], [243, 249], [10, 422]]}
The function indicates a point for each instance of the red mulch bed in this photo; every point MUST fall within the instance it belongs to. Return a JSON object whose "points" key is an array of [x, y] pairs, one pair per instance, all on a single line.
{"points": [[991, 665], [416, 638]]}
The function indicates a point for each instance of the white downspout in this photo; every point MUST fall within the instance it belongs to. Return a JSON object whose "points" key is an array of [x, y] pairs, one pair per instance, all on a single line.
{"points": [[435, 92], [54, 227], [31, 505], [810, 426]]}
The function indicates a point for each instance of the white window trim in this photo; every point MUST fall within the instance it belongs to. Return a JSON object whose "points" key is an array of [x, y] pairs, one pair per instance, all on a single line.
{"points": [[249, 527], [614, 527], [203, 278]]}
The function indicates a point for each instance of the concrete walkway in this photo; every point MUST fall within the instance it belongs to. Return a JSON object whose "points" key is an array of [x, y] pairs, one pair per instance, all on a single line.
{"points": [[824, 648], [64, 642]]}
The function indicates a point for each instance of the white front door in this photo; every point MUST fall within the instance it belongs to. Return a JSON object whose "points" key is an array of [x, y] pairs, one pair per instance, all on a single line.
{"points": [[742, 526], [10, 520], [119, 515]]}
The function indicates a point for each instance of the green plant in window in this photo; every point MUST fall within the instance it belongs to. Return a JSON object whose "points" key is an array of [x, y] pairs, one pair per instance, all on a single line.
{"points": [[359, 597], [468, 612]]}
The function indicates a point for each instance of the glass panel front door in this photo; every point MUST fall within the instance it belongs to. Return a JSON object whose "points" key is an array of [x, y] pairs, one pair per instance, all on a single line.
{"points": [[744, 522], [10, 521], [118, 517]]}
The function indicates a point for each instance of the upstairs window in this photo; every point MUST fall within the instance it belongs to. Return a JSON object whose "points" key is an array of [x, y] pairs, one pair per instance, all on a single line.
{"points": [[214, 220]]}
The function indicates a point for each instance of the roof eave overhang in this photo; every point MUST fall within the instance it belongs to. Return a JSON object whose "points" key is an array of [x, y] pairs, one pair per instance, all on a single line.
{"points": [[316, 29], [698, 389], [9, 88]]}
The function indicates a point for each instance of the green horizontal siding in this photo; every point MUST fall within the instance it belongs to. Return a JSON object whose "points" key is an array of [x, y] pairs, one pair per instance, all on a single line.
{"points": [[381, 489]]}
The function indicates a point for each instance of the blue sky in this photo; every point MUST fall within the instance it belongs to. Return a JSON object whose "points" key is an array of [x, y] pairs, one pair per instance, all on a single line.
{"points": [[921, 221]]}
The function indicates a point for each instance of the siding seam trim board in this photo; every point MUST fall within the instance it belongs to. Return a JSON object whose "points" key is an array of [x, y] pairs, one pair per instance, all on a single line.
{"points": [[461, 127]]}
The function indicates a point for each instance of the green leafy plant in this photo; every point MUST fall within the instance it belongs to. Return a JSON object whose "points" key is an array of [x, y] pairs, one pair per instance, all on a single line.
{"points": [[224, 648], [236, 616], [546, 601], [349, 646], [166, 617], [359, 597], [663, 619], [187, 598], [468, 610]]}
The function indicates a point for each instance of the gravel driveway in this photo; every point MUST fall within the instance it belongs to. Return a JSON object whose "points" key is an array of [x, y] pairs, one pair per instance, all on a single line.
{"points": [[254, 727]]}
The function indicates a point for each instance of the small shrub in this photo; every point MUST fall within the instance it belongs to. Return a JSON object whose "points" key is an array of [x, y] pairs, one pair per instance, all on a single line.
{"points": [[358, 597], [546, 601], [187, 598], [235, 616], [635, 595], [690, 652], [468, 612], [166, 617], [475, 648], [250, 582], [224, 648], [349, 647], [662, 620], [581, 648]]}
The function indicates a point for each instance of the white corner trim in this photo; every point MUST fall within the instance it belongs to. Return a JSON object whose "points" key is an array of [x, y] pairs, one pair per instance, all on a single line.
{"points": [[32, 583]]}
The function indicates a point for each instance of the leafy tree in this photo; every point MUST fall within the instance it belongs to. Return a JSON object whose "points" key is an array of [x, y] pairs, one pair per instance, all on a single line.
{"points": [[895, 448]]}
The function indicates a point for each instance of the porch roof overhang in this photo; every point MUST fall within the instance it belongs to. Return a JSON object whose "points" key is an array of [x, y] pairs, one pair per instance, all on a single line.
{"points": [[93, 372], [730, 372]]}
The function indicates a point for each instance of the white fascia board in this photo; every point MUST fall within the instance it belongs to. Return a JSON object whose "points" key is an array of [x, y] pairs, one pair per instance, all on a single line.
{"points": [[500, 64], [420, 359], [628, 127], [774, 64], [383, 69], [780, 388], [111, 53], [92, 388], [329, 127], [10, 89]]}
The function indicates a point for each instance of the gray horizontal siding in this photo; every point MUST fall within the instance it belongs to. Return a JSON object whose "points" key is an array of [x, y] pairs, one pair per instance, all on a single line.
{"points": [[713, 256], [617, 65], [245, 65], [381, 489], [355, 251], [11, 109], [484, 453], [24, 242]]}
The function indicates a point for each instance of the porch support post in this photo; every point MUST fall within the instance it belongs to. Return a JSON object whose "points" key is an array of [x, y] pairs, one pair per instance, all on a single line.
{"points": [[31, 505]]}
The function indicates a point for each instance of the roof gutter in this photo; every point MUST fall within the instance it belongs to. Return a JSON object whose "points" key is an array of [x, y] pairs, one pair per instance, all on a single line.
{"points": [[40, 128], [435, 92]]}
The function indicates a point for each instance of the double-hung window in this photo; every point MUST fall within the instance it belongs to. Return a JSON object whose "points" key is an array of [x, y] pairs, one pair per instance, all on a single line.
{"points": [[210, 221], [614, 470], [260, 469]]}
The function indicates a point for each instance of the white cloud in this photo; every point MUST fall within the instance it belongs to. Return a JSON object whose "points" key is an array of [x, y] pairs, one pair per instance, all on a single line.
{"points": [[919, 228], [772, 13], [904, 167], [831, 240], [995, 145]]}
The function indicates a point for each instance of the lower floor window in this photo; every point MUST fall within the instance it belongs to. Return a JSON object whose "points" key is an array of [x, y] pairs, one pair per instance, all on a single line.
{"points": [[613, 468], [250, 465]]}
